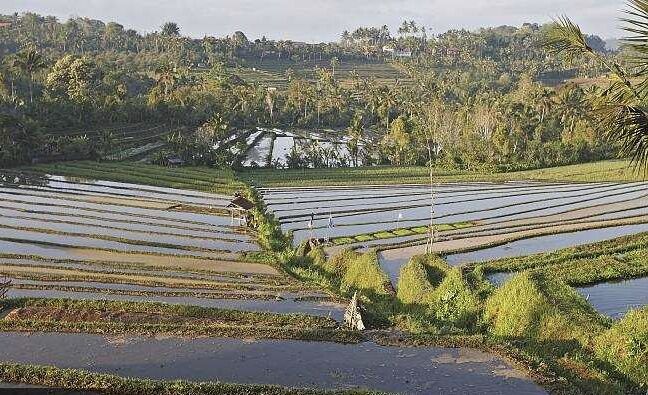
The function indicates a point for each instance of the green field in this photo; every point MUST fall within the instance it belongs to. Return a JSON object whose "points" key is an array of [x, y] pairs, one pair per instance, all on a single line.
{"points": [[228, 181], [610, 171], [197, 178], [272, 72]]}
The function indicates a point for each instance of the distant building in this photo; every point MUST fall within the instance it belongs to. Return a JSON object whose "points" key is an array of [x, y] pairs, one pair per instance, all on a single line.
{"points": [[174, 161], [397, 53], [4, 24]]}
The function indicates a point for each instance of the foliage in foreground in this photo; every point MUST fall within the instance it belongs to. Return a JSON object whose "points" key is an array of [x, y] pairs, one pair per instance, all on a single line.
{"points": [[533, 306], [364, 274], [110, 384], [536, 307], [625, 345], [442, 292]]}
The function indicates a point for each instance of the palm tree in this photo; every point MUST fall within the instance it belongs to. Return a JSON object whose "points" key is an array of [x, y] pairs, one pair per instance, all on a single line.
{"points": [[29, 61], [622, 109], [170, 29]]}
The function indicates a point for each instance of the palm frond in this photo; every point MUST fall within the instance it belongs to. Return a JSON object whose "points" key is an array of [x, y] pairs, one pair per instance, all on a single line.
{"points": [[566, 38], [628, 126], [636, 44]]}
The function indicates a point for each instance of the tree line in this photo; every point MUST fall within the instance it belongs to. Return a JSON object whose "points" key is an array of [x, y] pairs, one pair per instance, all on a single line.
{"points": [[472, 99]]}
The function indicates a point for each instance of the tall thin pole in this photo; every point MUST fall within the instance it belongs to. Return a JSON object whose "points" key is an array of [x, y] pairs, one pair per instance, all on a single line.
{"points": [[429, 248]]}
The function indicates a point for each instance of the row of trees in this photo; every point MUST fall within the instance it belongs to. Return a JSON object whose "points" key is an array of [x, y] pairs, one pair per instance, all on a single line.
{"points": [[478, 92]]}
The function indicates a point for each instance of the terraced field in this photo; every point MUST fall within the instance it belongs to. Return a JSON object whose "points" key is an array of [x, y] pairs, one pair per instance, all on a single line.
{"points": [[68, 238], [115, 262], [272, 147], [611, 274], [132, 141], [272, 72], [383, 216]]}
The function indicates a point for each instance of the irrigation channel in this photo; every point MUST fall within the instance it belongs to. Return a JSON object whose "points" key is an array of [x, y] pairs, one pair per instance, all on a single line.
{"points": [[287, 363], [491, 221], [101, 240]]}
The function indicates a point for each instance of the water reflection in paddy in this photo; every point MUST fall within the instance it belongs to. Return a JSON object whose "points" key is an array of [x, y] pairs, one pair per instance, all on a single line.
{"points": [[543, 244], [287, 363]]}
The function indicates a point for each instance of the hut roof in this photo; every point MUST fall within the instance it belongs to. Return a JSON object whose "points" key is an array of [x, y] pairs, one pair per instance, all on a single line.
{"points": [[241, 202]]}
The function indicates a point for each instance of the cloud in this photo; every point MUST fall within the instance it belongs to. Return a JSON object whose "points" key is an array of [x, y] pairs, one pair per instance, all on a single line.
{"points": [[323, 20]]}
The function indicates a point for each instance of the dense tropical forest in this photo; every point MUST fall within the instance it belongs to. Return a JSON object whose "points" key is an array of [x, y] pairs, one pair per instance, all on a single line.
{"points": [[492, 99]]}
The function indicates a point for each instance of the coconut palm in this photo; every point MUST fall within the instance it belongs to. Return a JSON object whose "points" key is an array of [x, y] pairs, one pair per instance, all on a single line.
{"points": [[622, 109], [29, 61]]}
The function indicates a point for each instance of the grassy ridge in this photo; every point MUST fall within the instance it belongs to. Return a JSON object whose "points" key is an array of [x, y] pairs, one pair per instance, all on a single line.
{"points": [[612, 171], [437, 293], [625, 345], [196, 178], [109, 384], [617, 259], [146, 319]]}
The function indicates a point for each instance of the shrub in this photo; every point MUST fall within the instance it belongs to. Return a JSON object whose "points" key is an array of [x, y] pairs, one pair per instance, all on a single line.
{"points": [[625, 346], [339, 263], [318, 256], [414, 286], [453, 303], [364, 273], [532, 306], [418, 278]]}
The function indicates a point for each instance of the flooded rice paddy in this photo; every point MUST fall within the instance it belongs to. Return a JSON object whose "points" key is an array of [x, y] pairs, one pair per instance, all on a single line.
{"points": [[275, 147], [290, 306], [100, 240], [329, 365], [491, 206], [543, 244], [391, 261], [615, 299]]}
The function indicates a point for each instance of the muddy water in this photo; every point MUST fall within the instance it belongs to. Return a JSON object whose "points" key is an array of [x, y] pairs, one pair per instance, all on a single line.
{"points": [[144, 271], [134, 212], [444, 196], [323, 309], [175, 230], [135, 189], [93, 216], [544, 244], [143, 288], [287, 363]]}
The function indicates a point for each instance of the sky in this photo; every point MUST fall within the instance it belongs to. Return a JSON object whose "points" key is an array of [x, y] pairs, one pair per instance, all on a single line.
{"points": [[324, 20]]}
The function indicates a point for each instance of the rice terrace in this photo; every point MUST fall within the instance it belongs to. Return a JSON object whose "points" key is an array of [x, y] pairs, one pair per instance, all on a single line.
{"points": [[410, 211]]}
